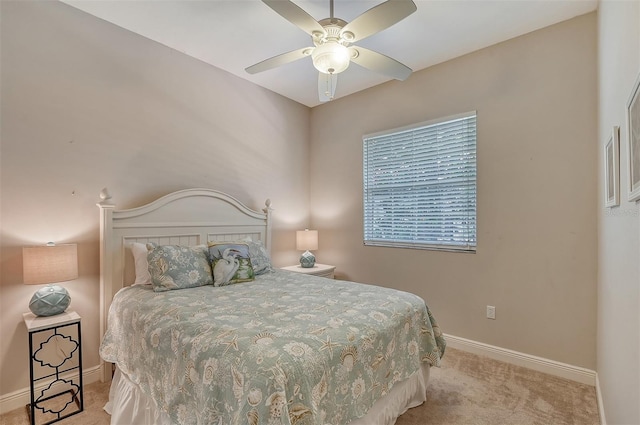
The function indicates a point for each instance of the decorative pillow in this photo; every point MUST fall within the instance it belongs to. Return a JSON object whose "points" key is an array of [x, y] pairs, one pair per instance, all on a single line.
{"points": [[260, 259], [139, 251], [230, 262], [178, 267]]}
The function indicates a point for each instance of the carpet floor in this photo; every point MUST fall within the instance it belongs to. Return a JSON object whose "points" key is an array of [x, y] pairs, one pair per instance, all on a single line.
{"points": [[467, 390]]}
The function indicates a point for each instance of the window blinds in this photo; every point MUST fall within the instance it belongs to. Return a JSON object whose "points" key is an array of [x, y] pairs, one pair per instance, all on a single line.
{"points": [[420, 185]]}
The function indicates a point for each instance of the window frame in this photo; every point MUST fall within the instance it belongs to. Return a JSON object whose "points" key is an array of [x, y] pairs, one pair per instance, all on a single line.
{"points": [[470, 242]]}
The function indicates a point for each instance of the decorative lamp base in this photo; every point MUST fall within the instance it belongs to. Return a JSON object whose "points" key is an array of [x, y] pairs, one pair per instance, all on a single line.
{"points": [[49, 301], [307, 260]]}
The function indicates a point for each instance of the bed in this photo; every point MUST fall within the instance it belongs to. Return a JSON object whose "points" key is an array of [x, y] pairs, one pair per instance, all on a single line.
{"points": [[275, 348]]}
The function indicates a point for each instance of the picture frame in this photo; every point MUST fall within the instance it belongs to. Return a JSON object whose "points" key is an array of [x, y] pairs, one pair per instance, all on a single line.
{"points": [[633, 141], [612, 169]]}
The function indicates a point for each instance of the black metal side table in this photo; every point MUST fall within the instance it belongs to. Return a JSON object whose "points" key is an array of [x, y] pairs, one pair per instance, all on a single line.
{"points": [[55, 366]]}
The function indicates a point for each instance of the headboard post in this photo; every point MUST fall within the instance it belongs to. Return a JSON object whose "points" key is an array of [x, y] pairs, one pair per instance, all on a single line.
{"points": [[267, 210], [106, 272]]}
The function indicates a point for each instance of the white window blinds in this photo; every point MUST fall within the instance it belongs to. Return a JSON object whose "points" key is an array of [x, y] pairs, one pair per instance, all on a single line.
{"points": [[420, 185]]}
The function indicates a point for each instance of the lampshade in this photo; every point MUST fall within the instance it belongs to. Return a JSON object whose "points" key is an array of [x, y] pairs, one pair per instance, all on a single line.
{"points": [[331, 57], [49, 264], [307, 240]]}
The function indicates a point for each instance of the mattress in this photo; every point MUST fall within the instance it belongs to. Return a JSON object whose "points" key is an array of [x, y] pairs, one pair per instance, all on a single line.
{"points": [[283, 349]]}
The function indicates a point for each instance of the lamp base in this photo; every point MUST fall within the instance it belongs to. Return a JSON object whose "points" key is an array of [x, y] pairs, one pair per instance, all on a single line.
{"points": [[307, 260], [49, 301]]}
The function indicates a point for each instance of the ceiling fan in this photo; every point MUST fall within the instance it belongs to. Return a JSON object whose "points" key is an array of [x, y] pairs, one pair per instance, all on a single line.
{"points": [[332, 38]]}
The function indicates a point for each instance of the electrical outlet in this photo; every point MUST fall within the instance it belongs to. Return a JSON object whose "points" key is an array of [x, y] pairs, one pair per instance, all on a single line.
{"points": [[491, 312]]}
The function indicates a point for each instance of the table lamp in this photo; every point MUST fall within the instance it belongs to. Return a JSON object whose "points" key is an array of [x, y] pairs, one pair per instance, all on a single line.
{"points": [[49, 264], [307, 240]]}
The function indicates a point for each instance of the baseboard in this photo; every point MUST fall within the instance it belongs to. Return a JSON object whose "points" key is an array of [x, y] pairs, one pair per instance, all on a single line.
{"points": [[21, 398], [552, 367], [603, 419]]}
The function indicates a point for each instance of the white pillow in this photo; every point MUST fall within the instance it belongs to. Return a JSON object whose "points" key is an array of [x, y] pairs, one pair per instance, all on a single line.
{"points": [[139, 251]]}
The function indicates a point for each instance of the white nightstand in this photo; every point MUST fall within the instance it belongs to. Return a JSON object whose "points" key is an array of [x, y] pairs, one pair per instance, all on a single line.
{"points": [[55, 366], [322, 270]]}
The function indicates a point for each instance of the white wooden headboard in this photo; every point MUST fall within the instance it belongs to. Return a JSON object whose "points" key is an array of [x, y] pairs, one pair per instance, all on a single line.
{"points": [[186, 217]]}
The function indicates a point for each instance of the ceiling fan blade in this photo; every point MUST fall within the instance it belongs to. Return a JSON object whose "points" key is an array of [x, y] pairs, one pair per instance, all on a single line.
{"points": [[327, 86], [378, 18], [296, 15], [379, 63], [279, 60]]}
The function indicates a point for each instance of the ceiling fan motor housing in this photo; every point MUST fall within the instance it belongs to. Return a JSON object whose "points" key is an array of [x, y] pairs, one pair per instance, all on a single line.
{"points": [[331, 55]]}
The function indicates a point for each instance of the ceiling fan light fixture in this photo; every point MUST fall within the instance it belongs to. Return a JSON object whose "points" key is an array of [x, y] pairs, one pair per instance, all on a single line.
{"points": [[331, 58]]}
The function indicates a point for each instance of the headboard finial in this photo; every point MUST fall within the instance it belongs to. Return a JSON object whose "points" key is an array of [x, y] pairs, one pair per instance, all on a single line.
{"points": [[105, 197], [104, 194], [267, 204]]}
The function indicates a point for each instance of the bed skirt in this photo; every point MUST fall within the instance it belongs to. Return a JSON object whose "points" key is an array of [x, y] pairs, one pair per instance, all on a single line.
{"points": [[129, 405]]}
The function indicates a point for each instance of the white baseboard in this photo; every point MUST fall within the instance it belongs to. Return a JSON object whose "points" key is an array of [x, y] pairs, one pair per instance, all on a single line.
{"points": [[552, 367], [603, 419], [21, 398]]}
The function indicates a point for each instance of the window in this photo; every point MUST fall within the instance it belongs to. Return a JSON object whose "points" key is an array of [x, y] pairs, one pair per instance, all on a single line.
{"points": [[420, 185]]}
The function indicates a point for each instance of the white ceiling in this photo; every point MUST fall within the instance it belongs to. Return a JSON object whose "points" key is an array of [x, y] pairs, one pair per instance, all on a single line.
{"points": [[234, 34]]}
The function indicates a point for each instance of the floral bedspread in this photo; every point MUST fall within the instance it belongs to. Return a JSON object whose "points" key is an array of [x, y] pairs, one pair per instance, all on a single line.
{"points": [[284, 349]]}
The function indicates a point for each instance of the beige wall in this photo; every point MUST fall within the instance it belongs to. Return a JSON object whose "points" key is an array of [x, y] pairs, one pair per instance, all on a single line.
{"points": [[536, 102], [85, 105], [618, 228]]}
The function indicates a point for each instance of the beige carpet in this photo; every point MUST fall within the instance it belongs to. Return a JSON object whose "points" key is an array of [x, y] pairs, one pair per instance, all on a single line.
{"points": [[467, 390], [475, 390]]}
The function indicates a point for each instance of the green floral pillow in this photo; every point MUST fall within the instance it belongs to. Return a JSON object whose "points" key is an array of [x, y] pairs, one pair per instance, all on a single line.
{"points": [[230, 263], [178, 267], [260, 259]]}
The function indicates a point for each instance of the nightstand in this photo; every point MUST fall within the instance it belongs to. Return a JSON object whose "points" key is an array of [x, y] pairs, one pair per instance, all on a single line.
{"points": [[322, 270], [55, 366]]}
